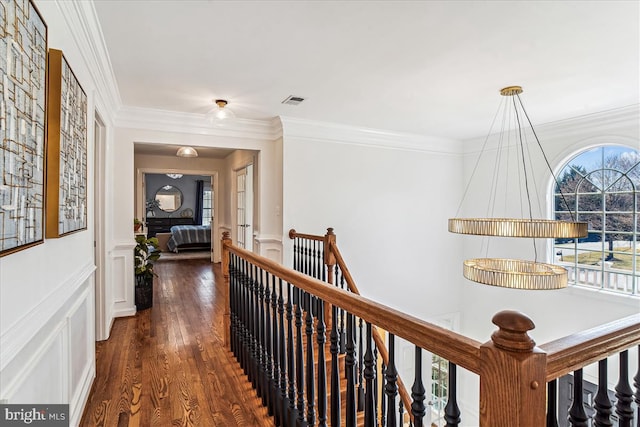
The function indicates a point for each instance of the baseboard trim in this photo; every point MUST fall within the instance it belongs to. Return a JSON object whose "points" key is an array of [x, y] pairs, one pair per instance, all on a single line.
{"points": [[123, 313], [79, 401]]}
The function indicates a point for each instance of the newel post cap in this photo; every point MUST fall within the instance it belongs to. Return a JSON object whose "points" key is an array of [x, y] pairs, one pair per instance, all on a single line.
{"points": [[512, 335], [292, 233], [226, 235]]}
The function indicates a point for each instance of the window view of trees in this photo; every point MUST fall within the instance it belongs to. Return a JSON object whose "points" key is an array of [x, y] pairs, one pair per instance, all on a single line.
{"points": [[601, 186]]}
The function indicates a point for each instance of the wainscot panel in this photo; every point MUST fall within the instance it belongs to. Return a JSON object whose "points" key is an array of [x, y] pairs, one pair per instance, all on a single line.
{"points": [[54, 362]]}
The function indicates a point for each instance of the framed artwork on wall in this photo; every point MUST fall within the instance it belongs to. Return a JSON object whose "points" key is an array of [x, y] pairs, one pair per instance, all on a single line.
{"points": [[23, 62], [66, 196]]}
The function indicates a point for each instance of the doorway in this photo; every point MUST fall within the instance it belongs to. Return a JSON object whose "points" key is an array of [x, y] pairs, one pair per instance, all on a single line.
{"points": [[102, 320], [244, 207], [142, 197]]}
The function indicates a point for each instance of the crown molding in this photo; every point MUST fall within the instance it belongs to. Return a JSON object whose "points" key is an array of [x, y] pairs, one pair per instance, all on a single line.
{"points": [[198, 124], [617, 122], [312, 130], [84, 27]]}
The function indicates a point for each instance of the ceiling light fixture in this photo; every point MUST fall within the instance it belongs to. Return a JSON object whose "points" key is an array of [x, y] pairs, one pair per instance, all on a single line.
{"points": [[187, 152], [514, 273], [221, 111], [174, 175]]}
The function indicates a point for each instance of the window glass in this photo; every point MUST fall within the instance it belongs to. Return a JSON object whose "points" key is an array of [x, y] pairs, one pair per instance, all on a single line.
{"points": [[207, 207], [601, 186]]}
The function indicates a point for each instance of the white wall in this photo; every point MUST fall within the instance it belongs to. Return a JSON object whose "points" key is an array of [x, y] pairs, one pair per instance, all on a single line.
{"points": [[387, 196], [47, 292]]}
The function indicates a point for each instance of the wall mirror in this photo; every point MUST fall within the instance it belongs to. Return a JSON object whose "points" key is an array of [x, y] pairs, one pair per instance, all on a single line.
{"points": [[169, 198]]}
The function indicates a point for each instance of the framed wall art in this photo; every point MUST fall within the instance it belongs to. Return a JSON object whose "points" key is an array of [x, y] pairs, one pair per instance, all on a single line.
{"points": [[23, 61], [66, 196]]}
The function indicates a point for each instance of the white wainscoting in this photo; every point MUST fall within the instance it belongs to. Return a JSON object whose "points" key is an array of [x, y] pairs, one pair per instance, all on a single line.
{"points": [[54, 361], [122, 279], [269, 247]]}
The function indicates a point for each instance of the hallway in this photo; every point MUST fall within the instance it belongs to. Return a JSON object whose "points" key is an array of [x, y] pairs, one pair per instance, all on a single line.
{"points": [[168, 365]]}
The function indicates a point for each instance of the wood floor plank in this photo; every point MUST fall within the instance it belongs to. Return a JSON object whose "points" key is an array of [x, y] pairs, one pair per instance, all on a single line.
{"points": [[167, 366]]}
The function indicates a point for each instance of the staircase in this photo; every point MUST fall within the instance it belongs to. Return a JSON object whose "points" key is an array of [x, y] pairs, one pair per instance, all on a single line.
{"points": [[304, 337]]}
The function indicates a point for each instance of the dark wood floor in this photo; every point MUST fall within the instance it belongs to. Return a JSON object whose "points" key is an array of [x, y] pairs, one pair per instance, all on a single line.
{"points": [[167, 366]]}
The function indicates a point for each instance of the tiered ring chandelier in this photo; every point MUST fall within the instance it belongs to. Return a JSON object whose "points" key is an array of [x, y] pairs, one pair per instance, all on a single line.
{"points": [[515, 273]]}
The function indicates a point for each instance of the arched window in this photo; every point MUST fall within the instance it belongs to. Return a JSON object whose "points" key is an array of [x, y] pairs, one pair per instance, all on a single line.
{"points": [[601, 186]]}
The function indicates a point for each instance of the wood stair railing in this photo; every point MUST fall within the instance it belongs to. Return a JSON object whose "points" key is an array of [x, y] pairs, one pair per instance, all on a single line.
{"points": [[512, 369], [331, 257]]}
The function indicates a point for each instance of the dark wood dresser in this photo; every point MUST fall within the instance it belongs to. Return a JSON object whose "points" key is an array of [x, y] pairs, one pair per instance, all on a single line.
{"points": [[163, 225]]}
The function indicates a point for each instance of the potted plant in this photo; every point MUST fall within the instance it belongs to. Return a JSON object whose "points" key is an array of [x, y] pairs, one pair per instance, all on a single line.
{"points": [[137, 225], [145, 253]]}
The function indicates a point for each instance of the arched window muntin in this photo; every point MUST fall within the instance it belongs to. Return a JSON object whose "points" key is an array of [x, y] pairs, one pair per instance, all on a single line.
{"points": [[607, 198]]}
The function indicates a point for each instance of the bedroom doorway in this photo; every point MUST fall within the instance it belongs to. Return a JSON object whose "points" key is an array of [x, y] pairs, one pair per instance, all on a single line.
{"points": [[158, 220], [244, 207]]}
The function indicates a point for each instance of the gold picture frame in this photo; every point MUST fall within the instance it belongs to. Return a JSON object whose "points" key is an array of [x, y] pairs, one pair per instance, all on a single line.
{"points": [[23, 79], [66, 195]]}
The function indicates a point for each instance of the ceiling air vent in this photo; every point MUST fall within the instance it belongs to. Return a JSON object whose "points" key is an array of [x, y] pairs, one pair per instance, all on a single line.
{"points": [[293, 100]]}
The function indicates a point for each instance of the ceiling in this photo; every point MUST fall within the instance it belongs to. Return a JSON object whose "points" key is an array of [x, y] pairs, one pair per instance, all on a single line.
{"points": [[425, 67]]}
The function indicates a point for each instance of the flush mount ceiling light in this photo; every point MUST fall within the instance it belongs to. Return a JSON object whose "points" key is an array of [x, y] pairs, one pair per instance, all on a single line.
{"points": [[513, 273], [187, 152], [221, 111], [174, 175]]}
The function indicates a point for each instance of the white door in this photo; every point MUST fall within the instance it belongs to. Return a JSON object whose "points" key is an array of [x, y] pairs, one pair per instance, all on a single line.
{"points": [[244, 206]]}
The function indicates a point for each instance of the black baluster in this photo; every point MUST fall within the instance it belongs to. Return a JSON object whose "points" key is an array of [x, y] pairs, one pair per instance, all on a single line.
{"points": [[255, 328], [282, 353], [400, 413], [291, 390], [311, 414], [278, 365], [552, 403], [335, 371], [369, 376], [350, 362], [314, 269], [261, 362], [322, 366], [624, 394], [232, 303], [299, 360], [325, 271], [309, 259], [360, 368], [451, 410], [391, 386], [417, 391], [270, 391], [305, 267], [636, 384], [244, 308], [376, 391], [245, 318], [577, 416], [602, 403], [343, 336]]}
